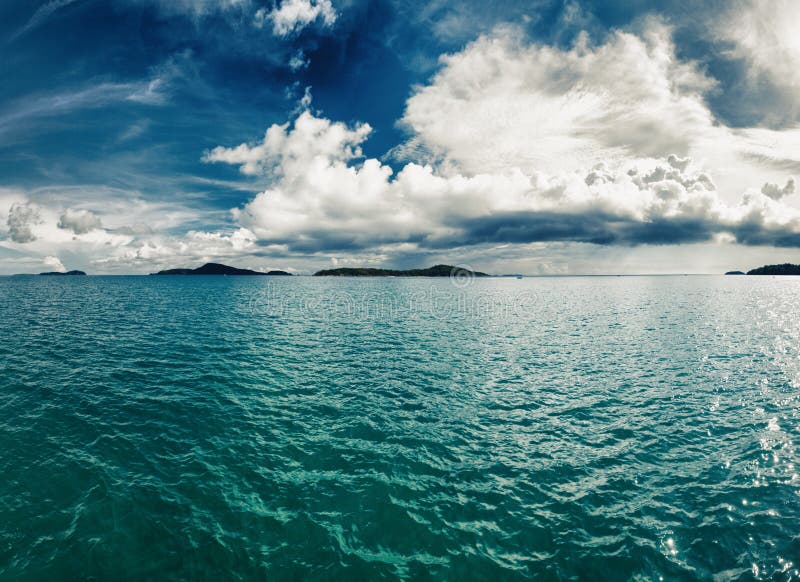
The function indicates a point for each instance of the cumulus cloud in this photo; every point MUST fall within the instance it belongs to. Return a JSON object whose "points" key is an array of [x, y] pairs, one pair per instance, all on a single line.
{"points": [[294, 15], [521, 144], [54, 264], [79, 221], [283, 150], [511, 143], [139, 234], [22, 217], [310, 161], [324, 197], [504, 102]]}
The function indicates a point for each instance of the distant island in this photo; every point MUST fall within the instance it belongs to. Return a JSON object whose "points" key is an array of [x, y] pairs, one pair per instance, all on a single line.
{"points": [[60, 274], [218, 269], [435, 271], [785, 269]]}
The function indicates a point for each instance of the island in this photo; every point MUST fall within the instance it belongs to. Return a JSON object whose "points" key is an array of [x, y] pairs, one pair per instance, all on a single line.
{"points": [[435, 271], [735, 273], [785, 269], [60, 274], [218, 269]]}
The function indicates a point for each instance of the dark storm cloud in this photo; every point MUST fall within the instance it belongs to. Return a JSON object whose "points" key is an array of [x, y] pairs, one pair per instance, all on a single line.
{"points": [[595, 228], [603, 229], [532, 227], [754, 233]]}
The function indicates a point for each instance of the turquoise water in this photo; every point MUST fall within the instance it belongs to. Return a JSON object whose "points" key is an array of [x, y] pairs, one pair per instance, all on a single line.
{"points": [[285, 428]]}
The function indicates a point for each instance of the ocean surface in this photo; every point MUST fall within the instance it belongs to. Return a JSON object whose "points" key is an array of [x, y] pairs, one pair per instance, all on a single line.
{"points": [[224, 428]]}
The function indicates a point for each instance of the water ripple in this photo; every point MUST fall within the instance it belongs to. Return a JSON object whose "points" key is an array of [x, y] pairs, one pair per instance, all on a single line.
{"points": [[205, 428]]}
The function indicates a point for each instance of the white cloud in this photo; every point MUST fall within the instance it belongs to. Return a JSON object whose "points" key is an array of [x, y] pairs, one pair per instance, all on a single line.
{"points": [[763, 34], [8, 198], [79, 221], [305, 100], [153, 252], [316, 187], [54, 264], [503, 102], [511, 144], [530, 143], [323, 199], [294, 15], [298, 61], [280, 150], [42, 224], [22, 218]]}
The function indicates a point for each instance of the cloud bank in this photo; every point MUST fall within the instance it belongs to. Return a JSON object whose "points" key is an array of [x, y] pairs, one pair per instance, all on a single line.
{"points": [[527, 143], [511, 145], [325, 198], [128, 235]]}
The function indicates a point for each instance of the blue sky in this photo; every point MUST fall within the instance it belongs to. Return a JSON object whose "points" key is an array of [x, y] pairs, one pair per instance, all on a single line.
{"points": [[536, 137]]}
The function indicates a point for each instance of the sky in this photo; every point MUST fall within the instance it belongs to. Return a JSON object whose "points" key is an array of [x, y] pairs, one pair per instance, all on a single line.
{"points": [[540, 137]]}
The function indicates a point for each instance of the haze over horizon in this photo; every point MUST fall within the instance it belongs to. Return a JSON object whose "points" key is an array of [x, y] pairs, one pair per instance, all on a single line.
{"points": [[545, 137]]}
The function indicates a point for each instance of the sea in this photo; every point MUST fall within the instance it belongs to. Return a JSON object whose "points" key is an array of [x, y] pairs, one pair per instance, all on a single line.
{"points": [[315, 428]]}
